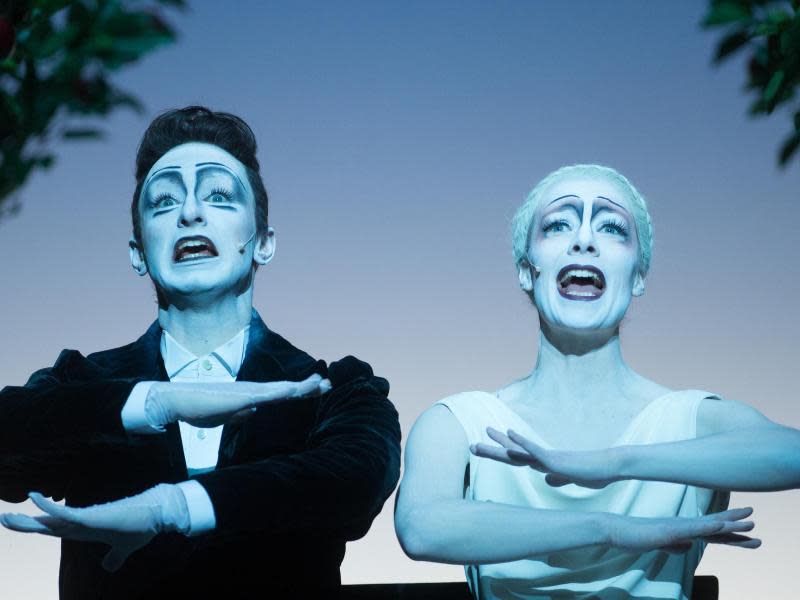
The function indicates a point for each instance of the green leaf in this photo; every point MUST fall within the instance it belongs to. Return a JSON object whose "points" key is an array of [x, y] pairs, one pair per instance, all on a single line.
{"points": [[790, 39], [773, 86], [766, 29], [722, 13], [778, 16], [788, 148], [82, 133], [730, 44]]}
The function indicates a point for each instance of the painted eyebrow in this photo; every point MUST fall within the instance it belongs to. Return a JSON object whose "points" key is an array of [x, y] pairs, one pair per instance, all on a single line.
{"points": [[173, 175], [612, 202], [625, 210], [201, 164], [229, 170]]}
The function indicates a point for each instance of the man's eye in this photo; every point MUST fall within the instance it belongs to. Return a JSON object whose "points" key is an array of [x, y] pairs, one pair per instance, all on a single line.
{"points": [[219, 196], [164, 201]]}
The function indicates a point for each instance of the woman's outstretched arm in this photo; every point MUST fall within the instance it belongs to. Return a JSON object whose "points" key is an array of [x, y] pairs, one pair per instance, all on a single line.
{"points": [[736, 449], [434, 522]]}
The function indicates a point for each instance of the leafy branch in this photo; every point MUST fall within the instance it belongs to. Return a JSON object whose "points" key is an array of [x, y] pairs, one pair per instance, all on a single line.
{"points": [[55, 60], [770, 31]]}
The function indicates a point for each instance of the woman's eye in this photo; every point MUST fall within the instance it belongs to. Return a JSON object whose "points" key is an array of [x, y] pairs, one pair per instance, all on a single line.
{"points": [[615, 228], [556, 226]]}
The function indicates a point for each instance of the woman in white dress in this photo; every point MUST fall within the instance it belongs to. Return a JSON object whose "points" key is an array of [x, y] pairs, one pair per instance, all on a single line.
{"points": [[584, 479]]}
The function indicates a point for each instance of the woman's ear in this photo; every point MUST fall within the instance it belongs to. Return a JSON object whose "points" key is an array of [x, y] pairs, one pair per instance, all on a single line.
{"points": [[265, 248], [525, 271], [638, 284], [138, 261]]}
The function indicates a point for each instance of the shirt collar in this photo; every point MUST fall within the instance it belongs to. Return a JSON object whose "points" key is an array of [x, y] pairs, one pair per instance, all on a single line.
{"points": [[230, 354]]}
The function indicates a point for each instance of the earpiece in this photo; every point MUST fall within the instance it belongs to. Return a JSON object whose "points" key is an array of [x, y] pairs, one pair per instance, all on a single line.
{"points": [[241, 246]]}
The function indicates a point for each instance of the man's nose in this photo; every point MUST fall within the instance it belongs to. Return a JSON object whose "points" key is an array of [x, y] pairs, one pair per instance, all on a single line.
{"points": [[192, 212]]}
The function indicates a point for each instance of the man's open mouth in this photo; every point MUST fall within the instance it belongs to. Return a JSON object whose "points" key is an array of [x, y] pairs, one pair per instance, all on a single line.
{"points": [[194, 247], [581, 282]]}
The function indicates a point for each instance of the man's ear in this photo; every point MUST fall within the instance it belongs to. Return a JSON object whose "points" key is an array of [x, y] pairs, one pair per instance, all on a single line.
{"points": [[138, 262], [525, 272], [638, 284], [265, 248]]}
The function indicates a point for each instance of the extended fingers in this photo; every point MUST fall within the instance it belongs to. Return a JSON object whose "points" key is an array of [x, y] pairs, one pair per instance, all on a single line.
{"points": [[734, 514], [308, 387], [524, 443], [325, 386], [736, 526], [497, 453], [734, 539], [55, 509], [698, 528], [45, 525], [503, 440]]}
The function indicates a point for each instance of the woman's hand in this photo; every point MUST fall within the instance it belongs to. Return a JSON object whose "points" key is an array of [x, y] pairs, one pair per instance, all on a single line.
{"points": [[592, 469], [676, 534], [212, 404]]}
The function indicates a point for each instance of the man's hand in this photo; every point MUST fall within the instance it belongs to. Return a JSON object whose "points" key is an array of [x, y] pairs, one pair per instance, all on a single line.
{"points": [[212, 404], [126, 525], [592, 469]]}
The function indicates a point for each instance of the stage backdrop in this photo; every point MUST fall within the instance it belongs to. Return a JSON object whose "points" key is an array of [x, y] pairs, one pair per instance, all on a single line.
{"points": [[397, 139]]}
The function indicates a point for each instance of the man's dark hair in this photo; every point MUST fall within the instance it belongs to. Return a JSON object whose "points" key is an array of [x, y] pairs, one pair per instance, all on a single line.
{"points": [[199, 124]]}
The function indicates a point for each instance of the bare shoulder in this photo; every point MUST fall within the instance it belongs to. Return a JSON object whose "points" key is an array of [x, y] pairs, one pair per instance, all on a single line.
{"points": [[437, 430], [436, 459], [718, 415]]}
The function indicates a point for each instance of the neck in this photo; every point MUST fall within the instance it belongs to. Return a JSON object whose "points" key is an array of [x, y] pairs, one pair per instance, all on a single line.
{"points": [[580, 367], [203, 327]]}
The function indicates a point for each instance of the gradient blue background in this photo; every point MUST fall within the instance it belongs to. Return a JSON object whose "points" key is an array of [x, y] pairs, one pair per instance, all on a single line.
{"points": [[396, 141]]}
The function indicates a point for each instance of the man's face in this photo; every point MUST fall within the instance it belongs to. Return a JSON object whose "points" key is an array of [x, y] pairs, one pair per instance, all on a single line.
{"points": [[197, 209]]}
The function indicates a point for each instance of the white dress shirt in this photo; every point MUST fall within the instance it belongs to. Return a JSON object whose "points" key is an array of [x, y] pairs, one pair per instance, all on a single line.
{"points": [[200, 445]]}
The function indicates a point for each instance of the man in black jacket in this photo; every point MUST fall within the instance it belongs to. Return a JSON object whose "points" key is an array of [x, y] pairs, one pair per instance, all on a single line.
{"points": [[210, 456]]}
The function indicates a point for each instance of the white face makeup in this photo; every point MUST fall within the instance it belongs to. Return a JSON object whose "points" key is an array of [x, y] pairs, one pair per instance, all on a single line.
{"points": [[197, 211], [584, 243]]}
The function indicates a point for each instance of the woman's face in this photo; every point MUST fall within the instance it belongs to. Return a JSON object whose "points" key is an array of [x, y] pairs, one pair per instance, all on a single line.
{"points": [[585, 245], [197, 208]]}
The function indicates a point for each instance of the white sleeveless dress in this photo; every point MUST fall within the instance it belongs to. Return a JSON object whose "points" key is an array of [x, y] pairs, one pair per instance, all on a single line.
{"points": [[605, 574]]}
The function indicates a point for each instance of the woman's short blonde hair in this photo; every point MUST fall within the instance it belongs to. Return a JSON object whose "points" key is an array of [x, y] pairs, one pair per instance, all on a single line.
{"points": [[523, 220]]}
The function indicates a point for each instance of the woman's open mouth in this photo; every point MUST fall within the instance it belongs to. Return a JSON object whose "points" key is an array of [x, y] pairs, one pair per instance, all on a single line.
{"points": [[581, 282], [193, 248]]}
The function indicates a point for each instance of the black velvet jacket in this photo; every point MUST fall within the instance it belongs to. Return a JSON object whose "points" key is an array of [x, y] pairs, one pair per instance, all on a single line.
{"points": [[293, 483]]}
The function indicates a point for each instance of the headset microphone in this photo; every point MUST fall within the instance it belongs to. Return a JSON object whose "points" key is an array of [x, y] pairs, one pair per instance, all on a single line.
{"points": [[241, 247]]}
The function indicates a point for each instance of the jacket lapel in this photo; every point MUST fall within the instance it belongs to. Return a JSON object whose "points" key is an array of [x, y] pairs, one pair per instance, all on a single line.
{"points": [[268, 357]]}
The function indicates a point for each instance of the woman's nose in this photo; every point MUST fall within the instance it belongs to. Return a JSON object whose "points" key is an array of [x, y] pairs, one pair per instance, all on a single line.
{"points": [[584, 243], [578, 248]]}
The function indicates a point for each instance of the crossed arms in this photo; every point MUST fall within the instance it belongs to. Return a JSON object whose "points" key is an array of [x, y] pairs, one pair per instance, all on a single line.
{"points": [[67, 417]]}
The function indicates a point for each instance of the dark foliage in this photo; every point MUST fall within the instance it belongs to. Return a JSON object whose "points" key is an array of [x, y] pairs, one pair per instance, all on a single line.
{"points": [[56, 57], [769, 31]]}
